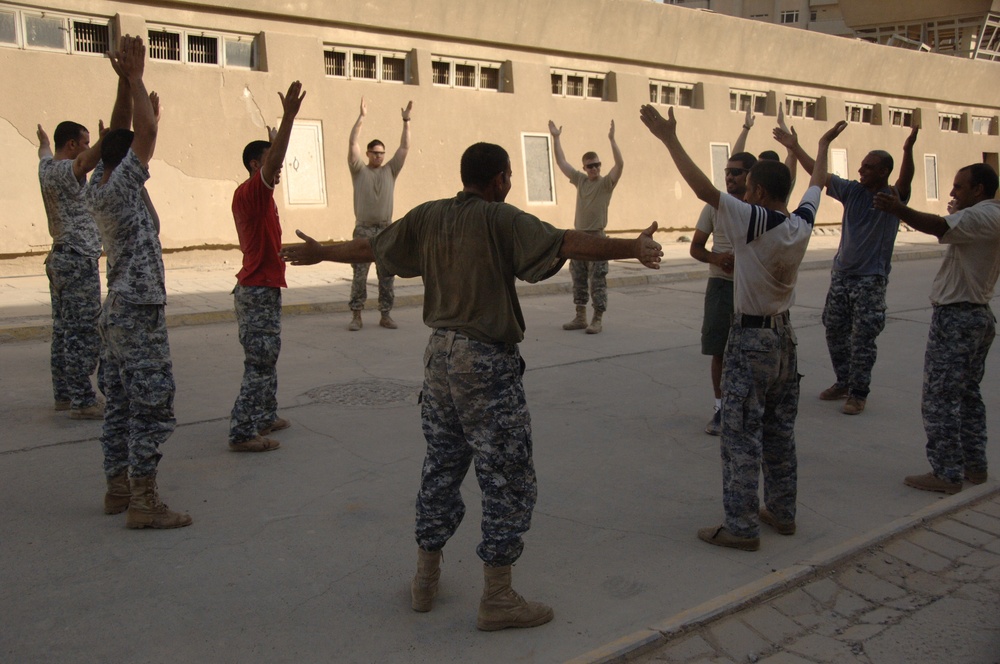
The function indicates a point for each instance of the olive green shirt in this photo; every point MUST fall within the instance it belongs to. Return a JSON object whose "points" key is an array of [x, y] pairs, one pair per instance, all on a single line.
{"points": [[469, 253]]}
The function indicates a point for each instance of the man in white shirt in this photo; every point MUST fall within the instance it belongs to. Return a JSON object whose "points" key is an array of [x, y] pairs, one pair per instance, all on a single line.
{"points": [[760, 382]]}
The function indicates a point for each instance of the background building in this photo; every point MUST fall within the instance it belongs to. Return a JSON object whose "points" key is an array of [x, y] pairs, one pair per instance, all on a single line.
{"points": [[475, 71]]}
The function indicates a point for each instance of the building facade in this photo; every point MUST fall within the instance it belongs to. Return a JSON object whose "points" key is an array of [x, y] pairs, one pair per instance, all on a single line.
{"points": [[476, 71]]}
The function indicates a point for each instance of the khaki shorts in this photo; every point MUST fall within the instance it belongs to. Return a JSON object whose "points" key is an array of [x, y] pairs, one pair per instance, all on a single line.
{"points": [[718, 316]]}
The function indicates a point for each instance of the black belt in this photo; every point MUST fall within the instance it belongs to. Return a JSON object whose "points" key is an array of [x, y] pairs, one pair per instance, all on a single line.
{"points": [[59, 246], [759, 322], [964, 305]]}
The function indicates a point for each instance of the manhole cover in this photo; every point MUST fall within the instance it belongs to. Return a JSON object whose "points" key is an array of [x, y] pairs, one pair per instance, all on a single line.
{"points": [[365, 393]]}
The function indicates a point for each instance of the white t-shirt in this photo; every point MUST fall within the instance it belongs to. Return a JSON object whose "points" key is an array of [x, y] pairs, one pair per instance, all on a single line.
{"points": [[972, 262], [768, 248], [720, 245]]}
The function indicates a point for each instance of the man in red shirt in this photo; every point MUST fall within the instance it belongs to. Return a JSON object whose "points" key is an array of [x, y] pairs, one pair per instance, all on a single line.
{"points": [[258, 289]]}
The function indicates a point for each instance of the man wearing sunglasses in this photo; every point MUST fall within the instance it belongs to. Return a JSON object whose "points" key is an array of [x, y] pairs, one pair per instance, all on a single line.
{"points": [[373, 190], [719, 289], [593, 196]]}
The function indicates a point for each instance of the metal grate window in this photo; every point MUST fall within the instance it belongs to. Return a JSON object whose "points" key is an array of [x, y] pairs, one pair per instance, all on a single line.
{"points": [[203, 50], [364, 66], [441, 73], [741, 100], [465, 76], [393, 69], [671, 94], [858, 113], [489, 78], [335, 63], [164, 46], [900, 117], [90, 38]]}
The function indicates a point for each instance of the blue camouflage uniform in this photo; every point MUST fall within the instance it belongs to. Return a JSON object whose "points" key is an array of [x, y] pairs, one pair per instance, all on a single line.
{"points": [[74, 283], [473, 408], [137, 377], [760, 380]]}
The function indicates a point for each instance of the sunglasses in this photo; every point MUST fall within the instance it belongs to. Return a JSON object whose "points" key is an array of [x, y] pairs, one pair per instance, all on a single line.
{"points": [[736, 172], [376, 153], [596, 164]]}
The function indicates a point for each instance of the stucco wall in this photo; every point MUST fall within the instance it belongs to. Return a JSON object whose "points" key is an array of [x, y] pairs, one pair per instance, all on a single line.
{"points": [[210, 113]]}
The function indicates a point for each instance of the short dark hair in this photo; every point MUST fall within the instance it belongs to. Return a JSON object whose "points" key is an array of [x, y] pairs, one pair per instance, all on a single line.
{"points": [[983, 174], [372, 144], [115, 146], [589, 155], [67, 131], [773, 176], [886, 159], [769, 155], [482, 162], [253, 151], [745, 158]]}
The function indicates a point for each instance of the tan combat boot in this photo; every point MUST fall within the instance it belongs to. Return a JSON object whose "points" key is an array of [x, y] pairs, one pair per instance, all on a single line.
{"points": [[387, 322], [424, 588], [579, 322], [501, 607], [595, 324], [146, 511], [355, 324], [117, 497]]}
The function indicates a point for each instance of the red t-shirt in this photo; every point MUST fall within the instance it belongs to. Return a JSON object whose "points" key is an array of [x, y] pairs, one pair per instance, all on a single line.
{"points": [[257, 225]]}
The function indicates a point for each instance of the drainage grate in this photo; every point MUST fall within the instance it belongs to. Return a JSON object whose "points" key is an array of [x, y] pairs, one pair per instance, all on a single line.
{"points": [[365, 393]]}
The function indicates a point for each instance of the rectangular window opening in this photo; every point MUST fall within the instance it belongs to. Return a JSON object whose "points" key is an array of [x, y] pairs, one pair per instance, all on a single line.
{"points": [[90, 38]]}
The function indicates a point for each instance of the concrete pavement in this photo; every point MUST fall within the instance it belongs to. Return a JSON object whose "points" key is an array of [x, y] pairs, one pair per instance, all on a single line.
{"points": [[305, 554]]}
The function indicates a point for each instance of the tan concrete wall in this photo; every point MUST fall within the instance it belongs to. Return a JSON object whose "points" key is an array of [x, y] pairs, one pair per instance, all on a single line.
{"points": [[210, 113]]}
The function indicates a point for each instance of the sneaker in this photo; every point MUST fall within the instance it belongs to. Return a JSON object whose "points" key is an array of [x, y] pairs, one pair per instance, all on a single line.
{"points": [[91, 412], [719, 536], [255, 444], [781, 527], [854, 406], [278, 424], [975, 476], [931, 482], [834, 393], [714, 427]]}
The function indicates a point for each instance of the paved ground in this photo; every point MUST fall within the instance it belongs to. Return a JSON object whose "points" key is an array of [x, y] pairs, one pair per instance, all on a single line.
{"points": [[304, 554]]}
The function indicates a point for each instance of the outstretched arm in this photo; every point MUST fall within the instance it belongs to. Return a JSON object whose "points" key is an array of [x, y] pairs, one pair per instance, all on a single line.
{"points": [[790, 140], [44, 145], [581, 246], [616, 172], [564, 166], [906, 167], [131, 65], [290, 104], [353, 147], [922, 221], [312, 252], [819, 174], [741, 140], [404, 140], [665, 129]]}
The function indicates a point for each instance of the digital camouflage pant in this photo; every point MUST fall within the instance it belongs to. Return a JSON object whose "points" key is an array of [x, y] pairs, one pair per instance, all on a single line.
{"points": [[854, 316], [75, 290], [258, 312], [590, 278], [760, 399], [137, 380], [359, 286], [954, 414], [473, 410]]}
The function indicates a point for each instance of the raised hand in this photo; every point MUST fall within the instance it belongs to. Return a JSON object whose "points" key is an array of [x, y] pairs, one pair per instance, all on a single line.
{"points": [[291, 101], [154, 101], [406, 111], [611, 133], [662, 128], [364, 107], [43, 138], [749, 119], [789, 139], [555, 131], [832, 133]]}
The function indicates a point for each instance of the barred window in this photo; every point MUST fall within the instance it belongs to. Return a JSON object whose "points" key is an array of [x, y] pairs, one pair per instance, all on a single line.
{"points": [[91, 38], [741, 100], [203, 50], [464, 73], [801, 107], [164, 46], [364, 64], [577, 84], [900, 117], [950, 121], [671, 93], [859, 113]]}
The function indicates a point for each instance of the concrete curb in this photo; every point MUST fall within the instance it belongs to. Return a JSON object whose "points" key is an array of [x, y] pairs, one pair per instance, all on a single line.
{"points": [[41, 332], [775, 583]]}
